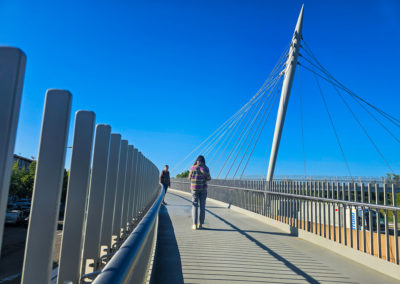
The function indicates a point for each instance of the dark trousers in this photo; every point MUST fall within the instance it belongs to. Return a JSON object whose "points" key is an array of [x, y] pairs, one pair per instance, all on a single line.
{"points": [[165, 187], [199, 200]]}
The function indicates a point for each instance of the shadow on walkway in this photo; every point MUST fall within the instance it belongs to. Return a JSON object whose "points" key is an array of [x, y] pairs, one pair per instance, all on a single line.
{"points": [[168, 266], [278, 257], [246, 231]]}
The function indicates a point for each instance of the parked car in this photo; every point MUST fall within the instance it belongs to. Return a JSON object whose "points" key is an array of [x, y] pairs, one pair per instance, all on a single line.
{"points": [[25, 207], [26, 220], [21, 204], [374, 215], [14, 217], [11, 206]]}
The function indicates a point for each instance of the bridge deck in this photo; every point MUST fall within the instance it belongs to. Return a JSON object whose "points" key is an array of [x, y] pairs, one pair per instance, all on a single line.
{"points": [[236, 248]]}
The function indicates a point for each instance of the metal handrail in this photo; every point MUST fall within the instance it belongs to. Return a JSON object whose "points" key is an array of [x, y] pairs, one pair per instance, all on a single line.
{"points": [[306, 197], [331, 200], [330, 210], [123, 263]]}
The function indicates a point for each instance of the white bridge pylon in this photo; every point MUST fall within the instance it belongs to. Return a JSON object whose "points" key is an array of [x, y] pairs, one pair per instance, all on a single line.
{"points": [[290, 69]]}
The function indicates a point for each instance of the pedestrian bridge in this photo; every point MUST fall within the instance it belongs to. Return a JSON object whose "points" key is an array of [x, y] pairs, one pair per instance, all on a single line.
{"points": [[235, 247], [267, 230]]}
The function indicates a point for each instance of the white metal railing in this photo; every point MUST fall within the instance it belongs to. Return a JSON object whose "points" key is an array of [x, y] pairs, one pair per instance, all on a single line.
{"points": [[363, 216], [12, 69], [109, 190]]}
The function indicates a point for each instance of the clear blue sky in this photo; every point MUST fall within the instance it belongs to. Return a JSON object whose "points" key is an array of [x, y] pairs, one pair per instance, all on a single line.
{"points": [[144, 66]]}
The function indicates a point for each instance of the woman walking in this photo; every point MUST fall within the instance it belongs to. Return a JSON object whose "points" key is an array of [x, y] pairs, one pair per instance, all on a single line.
{"points": [[199, 175]]}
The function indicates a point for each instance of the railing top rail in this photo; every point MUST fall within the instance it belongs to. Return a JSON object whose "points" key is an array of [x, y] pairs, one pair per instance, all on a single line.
{"points": [[344, 202], [319, 178], [364, 183], [120, 267], [305, 197]]}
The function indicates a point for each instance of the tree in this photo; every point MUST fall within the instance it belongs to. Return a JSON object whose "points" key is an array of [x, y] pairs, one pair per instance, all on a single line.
{"points": [[64, 186], [184, 174], [16, 186], [22, 181], [28, 179], [393, 179]]}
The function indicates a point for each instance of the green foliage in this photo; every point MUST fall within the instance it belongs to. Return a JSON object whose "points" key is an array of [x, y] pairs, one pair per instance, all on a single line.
{"points": [[393, 179], [65, 186], [16, 186], [22, 181], [184, 174]]}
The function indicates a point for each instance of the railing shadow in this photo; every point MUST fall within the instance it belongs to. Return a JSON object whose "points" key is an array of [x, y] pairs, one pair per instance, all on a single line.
{"points": [[168, 266], [278, 257]]}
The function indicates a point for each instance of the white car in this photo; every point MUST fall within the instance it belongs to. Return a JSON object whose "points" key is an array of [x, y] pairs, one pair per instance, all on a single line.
{"points": [[14, 217]]}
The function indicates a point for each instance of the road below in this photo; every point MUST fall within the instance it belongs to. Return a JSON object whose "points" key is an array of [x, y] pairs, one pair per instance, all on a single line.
{"points": [[12, 253]]}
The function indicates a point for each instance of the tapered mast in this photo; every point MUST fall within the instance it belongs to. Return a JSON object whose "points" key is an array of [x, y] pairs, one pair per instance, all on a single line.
{"points": [[285, 94]]}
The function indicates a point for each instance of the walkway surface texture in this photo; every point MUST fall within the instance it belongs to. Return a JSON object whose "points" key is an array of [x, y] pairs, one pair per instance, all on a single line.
{"points": [[235, 248]]}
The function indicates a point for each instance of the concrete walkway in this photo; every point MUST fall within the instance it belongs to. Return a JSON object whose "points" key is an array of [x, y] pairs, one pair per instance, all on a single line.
{"points": [[235, 248]]}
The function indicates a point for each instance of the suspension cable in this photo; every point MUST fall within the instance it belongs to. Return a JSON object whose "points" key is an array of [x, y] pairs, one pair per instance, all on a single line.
{"points": [[219, 129], [221, 154], [250, 129], [262, 119], [211, 146], [334, 84], [391, 118], [333, 126], [240, 136], [337, 85], [259, 134], [302, 127], [364, 130]]}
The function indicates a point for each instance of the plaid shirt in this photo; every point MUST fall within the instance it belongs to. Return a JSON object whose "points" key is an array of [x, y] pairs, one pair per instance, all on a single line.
{"points": [[199, 175]]}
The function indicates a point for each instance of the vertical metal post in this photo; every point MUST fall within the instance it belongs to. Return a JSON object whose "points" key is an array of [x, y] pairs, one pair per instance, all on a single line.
{"points": [[127, 190], [12, 69], [371, 226], [344, 216], [395, 232], [120, 189], [41, 234], [308, 207], [344, 225], [140, 195], [334, 205], [137, 185], [356, 216], [350, 216], [71, 245], [132, 208], [385, 198], [378, 222], [363, 218], [329, 211], [303, 191], [91, 249], [291, 64], [144, 187], [319, 189], [111, 190]]}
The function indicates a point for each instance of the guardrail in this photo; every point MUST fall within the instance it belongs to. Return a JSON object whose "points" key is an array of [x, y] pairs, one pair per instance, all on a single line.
{"points": [[110, 189], [131, 262], [341, 212]]}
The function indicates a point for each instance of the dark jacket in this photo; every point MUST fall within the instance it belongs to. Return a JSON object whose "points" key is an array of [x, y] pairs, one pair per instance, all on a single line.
{"points": [[164, 178]]}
